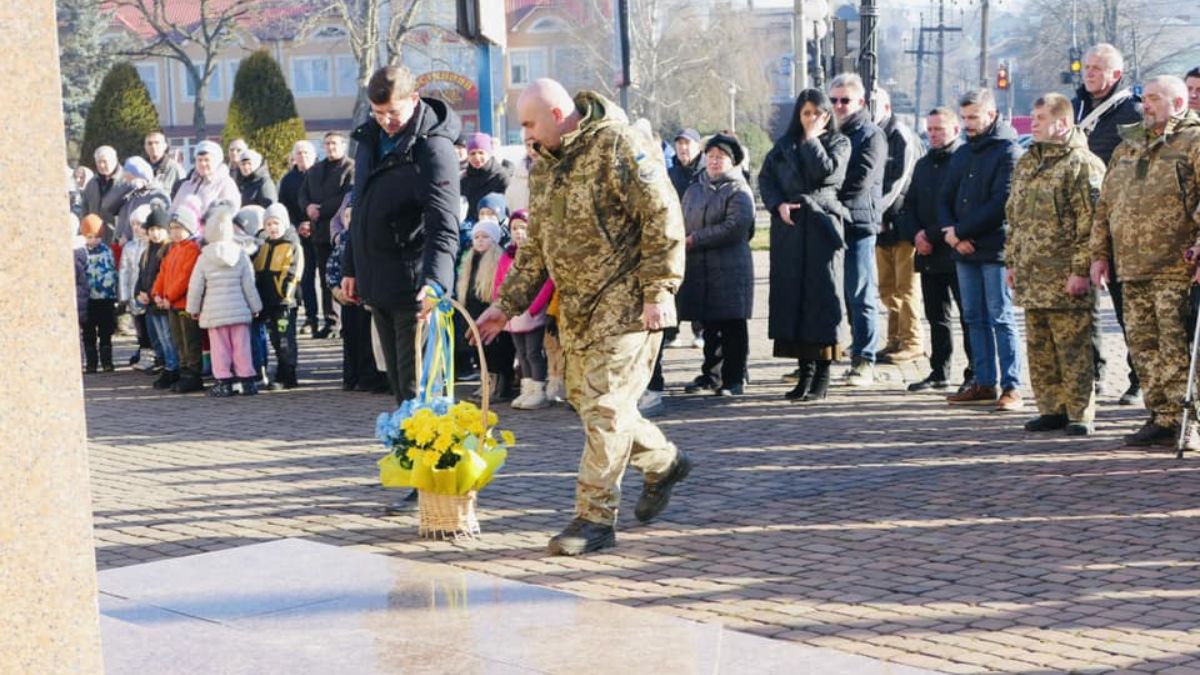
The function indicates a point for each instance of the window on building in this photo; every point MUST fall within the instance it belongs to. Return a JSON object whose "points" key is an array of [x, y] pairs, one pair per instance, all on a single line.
{"points": [[311, 76], [549, 25], [347, 76], [148, 72], [525, 66], [216, 88], [232, 66]]}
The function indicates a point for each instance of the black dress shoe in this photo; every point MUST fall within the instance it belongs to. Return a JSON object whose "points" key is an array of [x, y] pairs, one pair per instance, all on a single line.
{"points": [[928, 383], [1149, 434], [582, 536], [656, 495], [1046, 423]]}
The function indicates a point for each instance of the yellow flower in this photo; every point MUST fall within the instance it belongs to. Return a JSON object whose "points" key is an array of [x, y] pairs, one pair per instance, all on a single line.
{"points": [[493, 419], [413, 454], [430, 458], [443, 442], [508, 438]]}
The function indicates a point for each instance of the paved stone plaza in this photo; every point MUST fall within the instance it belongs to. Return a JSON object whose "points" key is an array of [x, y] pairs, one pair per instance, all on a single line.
{"points": [[879, 523]]}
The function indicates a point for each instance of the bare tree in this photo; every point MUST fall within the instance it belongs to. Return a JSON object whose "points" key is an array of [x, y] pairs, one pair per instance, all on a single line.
{"points": [[211, 30]]}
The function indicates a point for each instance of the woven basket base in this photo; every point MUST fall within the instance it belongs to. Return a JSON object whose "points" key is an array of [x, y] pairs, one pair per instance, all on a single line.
{"points": [[447, 516]]}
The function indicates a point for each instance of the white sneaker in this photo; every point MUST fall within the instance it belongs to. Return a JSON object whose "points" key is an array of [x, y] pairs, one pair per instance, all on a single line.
{"points": [[651, 403], [145, 360], [536, 400], [556, 390], [862, 374], [698, 342], [518, 403]]}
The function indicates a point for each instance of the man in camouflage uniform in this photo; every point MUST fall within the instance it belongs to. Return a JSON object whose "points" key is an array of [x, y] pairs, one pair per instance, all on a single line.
{"points": [[606, 226], [1148, 211], [1050, 207]]}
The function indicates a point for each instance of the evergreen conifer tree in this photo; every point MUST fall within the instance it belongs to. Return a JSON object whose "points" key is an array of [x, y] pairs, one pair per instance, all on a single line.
{"points": [[83, 60], [263, 111], [121, 115]]}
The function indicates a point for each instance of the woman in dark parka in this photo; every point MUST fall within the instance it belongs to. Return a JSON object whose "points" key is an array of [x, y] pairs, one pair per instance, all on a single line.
{"points": [[718, 284], [799, 184]]}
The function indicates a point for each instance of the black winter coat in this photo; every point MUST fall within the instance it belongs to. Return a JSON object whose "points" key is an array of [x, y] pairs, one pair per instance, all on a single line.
{"points": [[904, 149], [257, 188], [806, 258], [1104, 139], [289, 195], [682, 177], [718, 281], [404, 226], [325, 184], [921, 209], [862, 191], [478, 183], [976, 189]]}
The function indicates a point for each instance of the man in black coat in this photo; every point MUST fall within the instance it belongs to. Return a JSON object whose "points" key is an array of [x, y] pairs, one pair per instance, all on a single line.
{"points": [[934, 259], [325, 184], [303, 157], [893, 253], [1101, 105], [688, 163], [862, 194], [404, 232], [971, 210]]}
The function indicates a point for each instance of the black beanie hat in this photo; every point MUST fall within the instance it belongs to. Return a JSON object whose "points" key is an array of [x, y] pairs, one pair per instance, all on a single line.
{"points": [[729, 145], [158, 218]]}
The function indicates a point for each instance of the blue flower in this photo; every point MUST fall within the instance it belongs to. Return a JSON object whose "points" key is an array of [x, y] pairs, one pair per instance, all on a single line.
{"points": [[382, 428]]}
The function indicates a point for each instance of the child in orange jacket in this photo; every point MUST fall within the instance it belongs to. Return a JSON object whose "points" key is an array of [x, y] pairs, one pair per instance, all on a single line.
{"points": [[170, 293]]}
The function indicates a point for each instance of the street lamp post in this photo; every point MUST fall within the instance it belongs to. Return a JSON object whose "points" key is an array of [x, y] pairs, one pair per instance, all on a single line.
{"points": [[732, 107], [868, 60]]}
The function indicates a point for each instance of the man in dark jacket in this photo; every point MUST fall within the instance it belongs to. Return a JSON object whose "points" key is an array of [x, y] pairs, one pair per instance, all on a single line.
{"points": [[894, 253], [862, 194], [167, 171], [688, 163], [404, 235], [254, 180], [303, 157], [1101, 105], [971, 214], [934, 258], [325, 184]]}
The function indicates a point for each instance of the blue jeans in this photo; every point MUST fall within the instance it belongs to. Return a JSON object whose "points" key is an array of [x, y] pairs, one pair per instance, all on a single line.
{"points": [[862, 297], [988, 309], [258, 343], [158, 324]]}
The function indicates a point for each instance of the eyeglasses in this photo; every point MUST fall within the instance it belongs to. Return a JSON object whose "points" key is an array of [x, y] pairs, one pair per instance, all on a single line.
{"points": [[396, 115], [841, 101]]}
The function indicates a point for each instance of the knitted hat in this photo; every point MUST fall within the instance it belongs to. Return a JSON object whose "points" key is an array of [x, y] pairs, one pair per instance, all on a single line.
{"points": [[496, 202], [479, 141], [136, 167], [92, 226], [217, 155], [491, 228], [250, 219], [218, 226], [278, 212], [254, 157], [185, 218], [140, 214], [690, 134], [158, 218], [729, 145], [214, 206], [519, 214]]}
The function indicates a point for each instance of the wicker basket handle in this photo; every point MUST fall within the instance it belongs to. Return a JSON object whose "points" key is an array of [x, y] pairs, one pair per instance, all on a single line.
{"points": [[425, 325]]}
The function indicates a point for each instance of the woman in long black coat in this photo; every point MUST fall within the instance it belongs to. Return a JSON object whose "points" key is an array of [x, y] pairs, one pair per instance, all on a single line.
{"points": [[718, 283], [799, 184]]}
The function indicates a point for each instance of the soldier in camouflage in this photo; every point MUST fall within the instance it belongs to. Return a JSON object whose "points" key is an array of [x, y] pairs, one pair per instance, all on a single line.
{"points": [[1050, 207], [605, 224], [1148, 212]]}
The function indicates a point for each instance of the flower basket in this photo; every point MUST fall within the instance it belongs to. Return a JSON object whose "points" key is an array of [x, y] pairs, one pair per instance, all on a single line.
{"points": [[446, 450]]}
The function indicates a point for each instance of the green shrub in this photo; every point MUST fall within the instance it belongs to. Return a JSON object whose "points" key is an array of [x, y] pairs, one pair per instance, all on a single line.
{"points": [[262, 110], [121, 115]]}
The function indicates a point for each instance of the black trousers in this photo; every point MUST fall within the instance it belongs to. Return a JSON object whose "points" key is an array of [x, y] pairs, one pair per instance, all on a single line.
{"points": [[98, 330], [324, 252], [938, 290], [281, 329], [726, 349], [397, 328], [358, 357], [308, 281], [501, 355]]}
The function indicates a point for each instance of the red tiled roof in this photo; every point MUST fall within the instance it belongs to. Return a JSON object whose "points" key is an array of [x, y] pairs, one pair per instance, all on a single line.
{"points": [[262, 19]]}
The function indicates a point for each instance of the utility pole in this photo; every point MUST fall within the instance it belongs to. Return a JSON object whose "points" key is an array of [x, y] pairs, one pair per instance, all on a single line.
{"points": [[920, 52], [868, 60], [940, 52], [799, 49], [626, 57], [983, 44]]}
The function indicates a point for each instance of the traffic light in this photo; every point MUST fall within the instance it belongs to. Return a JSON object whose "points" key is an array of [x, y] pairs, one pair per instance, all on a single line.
{"points": [[1002, 81], [1076, 61]]}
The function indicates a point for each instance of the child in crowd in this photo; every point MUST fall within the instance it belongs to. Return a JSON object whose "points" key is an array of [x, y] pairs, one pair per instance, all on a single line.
{"points": [[130, 268], [476, 289], [79, 252], [528, 329], [102, 296], [359, 372], [158, 322], [278, 266], [556, 387], [170, 294], [249, 234], [222, 297]]}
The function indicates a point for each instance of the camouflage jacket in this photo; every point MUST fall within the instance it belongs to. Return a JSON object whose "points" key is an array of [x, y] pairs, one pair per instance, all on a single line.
{"points": [[604, 223], [1148, 205], [1050, 206]]}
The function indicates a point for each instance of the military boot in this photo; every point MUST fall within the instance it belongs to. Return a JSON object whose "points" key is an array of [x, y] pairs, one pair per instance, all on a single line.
{"points": [[1149, 434], [1046, 423], [656, 495], [582, 536]]}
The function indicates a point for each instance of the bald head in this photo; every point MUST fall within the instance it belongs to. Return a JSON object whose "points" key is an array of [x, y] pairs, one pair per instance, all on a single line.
{"points": [[547, 111]]}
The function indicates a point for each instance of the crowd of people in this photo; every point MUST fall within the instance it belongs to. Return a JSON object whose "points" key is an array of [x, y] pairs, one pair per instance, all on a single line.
{"points": [[210, 266]]}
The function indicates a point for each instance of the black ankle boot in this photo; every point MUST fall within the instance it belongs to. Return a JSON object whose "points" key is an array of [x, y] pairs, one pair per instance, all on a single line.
{"points": [[820, 383], [806, 370], [106, 361]]}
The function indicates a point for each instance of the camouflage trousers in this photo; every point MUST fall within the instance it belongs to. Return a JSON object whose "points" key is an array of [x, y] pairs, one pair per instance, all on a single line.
{"points": [[604, 383], [1059, 346], [1156, 317]]}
